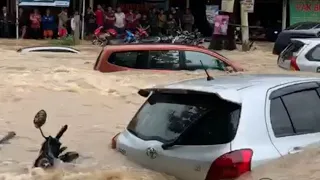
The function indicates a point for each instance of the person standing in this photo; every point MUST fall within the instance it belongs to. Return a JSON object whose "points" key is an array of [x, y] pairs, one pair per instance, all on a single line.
{"points": [[90, 21], [176, 16], [75, 26], [162, 20], [5, 19], [138, 17], [120, 21], [99, 16], [63, 19], [153, 22], [130, 21], [48, 25], [171, 25], [110, 19], [144, 23], [23, 21], [35, 20], [188, 20]]}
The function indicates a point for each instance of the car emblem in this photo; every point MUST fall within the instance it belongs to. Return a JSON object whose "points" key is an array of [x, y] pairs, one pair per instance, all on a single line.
{"points": [[151, 152]]}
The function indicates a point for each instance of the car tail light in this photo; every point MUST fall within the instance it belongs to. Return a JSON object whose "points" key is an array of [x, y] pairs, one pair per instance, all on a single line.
{"points": [[114, 141], [230, 165], [293, 64]]}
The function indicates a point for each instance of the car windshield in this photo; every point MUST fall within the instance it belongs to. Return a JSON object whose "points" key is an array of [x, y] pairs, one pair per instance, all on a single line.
{"points": [[164, 117]]}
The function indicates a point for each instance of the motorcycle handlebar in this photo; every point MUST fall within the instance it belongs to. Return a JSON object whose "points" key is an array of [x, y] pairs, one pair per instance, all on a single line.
{"points": [[62, 130]]}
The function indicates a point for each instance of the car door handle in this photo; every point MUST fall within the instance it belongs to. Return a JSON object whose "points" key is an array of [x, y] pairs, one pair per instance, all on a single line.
{"points": [[295, 150]]}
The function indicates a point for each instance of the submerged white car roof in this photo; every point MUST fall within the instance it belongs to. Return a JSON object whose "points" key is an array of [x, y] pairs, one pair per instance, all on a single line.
{"points": [[228, 87]]}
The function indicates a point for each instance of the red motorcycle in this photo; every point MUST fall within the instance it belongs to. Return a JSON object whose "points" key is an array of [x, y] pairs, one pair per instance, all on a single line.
{"points": [[102, 37], [141, 33]]}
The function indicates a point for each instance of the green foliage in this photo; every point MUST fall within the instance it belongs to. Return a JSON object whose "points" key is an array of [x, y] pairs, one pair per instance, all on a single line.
{"points": [[67, 41]]}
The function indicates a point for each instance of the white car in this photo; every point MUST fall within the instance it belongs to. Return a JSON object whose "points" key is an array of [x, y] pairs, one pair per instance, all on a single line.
{"points": [[301, 55], [221, 128]]}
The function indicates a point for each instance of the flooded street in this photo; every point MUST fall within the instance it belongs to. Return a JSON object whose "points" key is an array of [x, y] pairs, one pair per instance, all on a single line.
{"points": [[95, 105]]}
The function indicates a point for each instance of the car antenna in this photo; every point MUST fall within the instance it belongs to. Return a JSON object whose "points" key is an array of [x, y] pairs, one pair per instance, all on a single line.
{"points": [[209, 78]]}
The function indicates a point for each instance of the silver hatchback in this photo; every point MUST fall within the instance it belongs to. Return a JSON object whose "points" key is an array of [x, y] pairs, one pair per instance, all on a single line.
{"points": [[222, 128], [301, 55]]}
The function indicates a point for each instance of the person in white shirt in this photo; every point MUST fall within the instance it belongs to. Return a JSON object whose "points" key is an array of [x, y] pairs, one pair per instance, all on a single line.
{"points": [[120, 22]]}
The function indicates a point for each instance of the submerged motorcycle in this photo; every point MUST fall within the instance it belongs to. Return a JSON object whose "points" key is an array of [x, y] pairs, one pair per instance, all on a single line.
{"points": [[51, 149]]}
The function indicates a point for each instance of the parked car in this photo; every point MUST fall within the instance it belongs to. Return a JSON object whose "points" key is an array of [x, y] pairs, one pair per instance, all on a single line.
{"points": [[301, 55], [299, 30], [222, 128], [160, 57]]}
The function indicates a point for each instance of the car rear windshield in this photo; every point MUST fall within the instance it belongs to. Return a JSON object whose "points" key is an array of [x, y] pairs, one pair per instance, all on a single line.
{"points": [[306, 26], [303, 26], [164, 117], [292, 48]]}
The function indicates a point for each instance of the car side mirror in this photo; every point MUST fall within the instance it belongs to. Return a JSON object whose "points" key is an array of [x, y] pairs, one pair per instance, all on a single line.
{"points": [[40, 119]]}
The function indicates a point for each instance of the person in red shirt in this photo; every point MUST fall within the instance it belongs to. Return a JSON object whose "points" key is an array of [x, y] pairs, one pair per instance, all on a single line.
{"points": [[35, 19], [110, 18], [131, 20], [99, 16]]}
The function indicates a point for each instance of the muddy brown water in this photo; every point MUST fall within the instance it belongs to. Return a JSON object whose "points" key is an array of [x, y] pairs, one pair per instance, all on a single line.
{"points": [[96, 106]]}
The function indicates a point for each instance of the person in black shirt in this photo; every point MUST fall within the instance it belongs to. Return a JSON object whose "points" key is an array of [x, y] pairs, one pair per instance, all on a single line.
{"points": [[144, 22], [6, 20], [23, 21], [176, 16], [90, 21]]}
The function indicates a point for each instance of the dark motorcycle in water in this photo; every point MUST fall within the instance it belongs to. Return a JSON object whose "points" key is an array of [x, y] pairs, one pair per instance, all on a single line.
{"points": [[51, 149], [190, 38]]}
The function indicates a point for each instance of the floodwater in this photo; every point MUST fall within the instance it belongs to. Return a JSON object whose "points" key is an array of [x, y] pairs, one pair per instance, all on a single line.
{"points": [[95, 105]]}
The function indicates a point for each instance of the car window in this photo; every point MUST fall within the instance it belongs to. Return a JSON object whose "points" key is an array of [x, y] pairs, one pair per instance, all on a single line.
{"points": [[130, 59], [192, 61], [315, 54], [303, 109], [217, 127], [291, 49], [164, 60], [164, 117], [280, 120]]}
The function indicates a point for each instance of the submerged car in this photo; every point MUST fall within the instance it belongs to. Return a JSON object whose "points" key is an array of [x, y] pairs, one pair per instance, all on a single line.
{"points": [[298, 30], [222, 128], [301, 55], [167, 57]]}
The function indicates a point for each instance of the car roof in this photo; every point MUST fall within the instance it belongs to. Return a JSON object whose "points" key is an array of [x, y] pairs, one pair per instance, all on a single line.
{"points": [[228, 87], [236, 82], [306, 40], [305, 31], [158, 46]]}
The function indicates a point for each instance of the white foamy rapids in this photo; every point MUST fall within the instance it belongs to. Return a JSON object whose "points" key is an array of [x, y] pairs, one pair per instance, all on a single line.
{"points": [[95, 105]]}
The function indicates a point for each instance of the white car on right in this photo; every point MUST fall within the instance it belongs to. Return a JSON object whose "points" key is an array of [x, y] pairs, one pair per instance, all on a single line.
{"points": [[301, 55]]}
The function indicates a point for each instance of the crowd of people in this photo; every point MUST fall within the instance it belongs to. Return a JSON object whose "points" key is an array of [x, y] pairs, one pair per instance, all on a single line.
{"points": [[47, 26], [156, 21], [51, 25]]}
